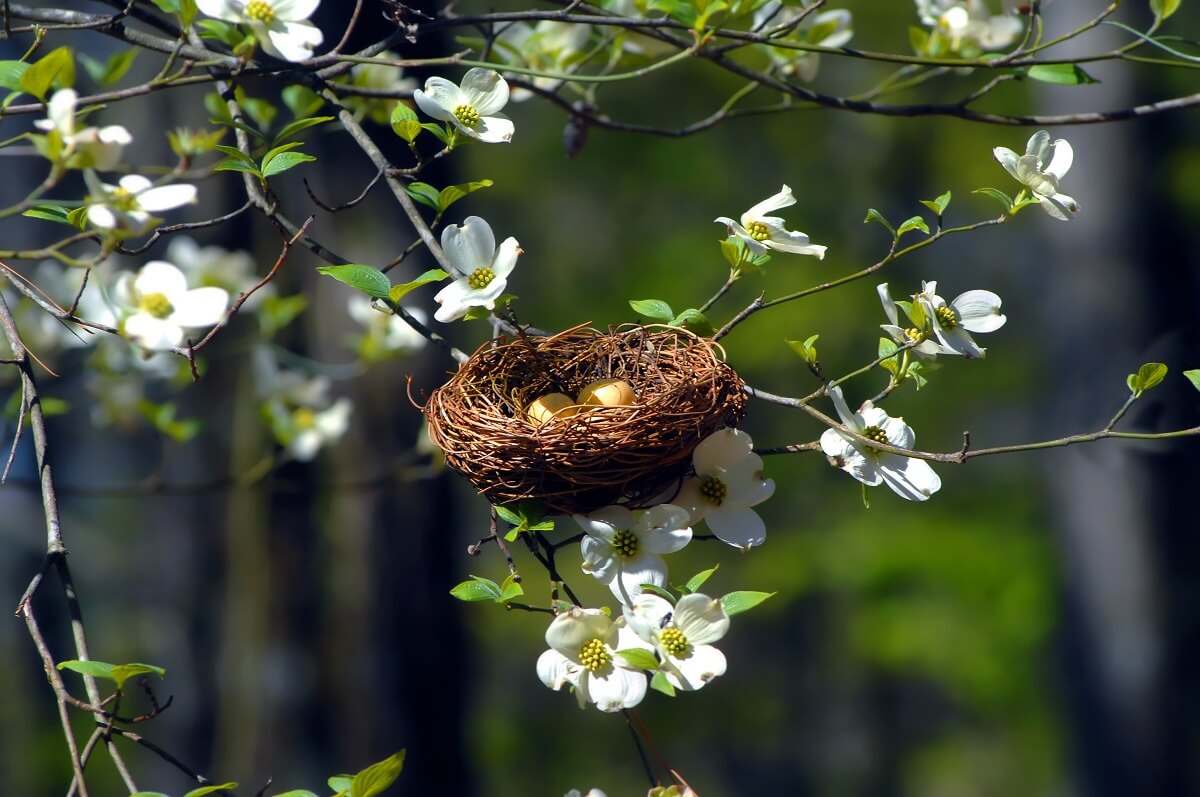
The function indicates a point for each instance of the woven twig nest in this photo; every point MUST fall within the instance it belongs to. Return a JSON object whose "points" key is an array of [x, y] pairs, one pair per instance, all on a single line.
{"points": [[602, 455]]}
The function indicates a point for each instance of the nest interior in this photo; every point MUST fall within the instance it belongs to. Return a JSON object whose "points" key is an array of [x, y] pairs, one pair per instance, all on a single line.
{"points": [[602, 455]]}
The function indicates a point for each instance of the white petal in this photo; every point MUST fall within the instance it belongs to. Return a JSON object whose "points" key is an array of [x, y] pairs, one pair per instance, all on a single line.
{"points": [[701, 619], [645, 615], [849, 418], [889, 306], [957, 341], [102, 216], [783, 199], [979, 311], [221, 9], [1007, 159], [135, 183], [305, 445], [1038, 146], [1061, 159], [159, 276], [555, 670], [632, 573], [295, 10], [166, 197], [745, 484], [440, 98], [736, 525], [898, 432], [506, 257], [616, 689], [470, 245], [201, 307], [485, 90], [60, 111], [1060, 206], [569, 630], [690, 499], [153, 333], [599, 560], [693, 672], [721, 449], [494, 129], [908, 477], [834, 444], [451, 300], [292, 41]]}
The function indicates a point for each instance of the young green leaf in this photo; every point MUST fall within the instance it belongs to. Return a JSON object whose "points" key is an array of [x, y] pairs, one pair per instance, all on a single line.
{"points": [[424, 193], [938, 205], [915, 223], [875, 215], [477, 589], [510, 589], [695, 322], [236, 154], [210, 790], [1193, 376], [340, 783], [108, 73], [377, 777], [49, 213], [1001, 197], [640, 658], [805, 349], [697, 581], [284, 161], [509, 516], [452, 193], [398, 292], [297, 793], [1061, 74], [738, 602], [1164, 8], [10, 74], [113, 672], [56, 68], [292, 128], [653, 309], [1148, 376], [659, 683], [369, 280]]}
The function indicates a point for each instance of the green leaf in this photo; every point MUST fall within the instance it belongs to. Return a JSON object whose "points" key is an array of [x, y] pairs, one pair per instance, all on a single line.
{"points": [[188, 12], [1001, 197], [1193, 376], [148, 794], [659, 683], [510, 516], [226, 121], [1061, 74], [340, 782], [234, 152], [284, 161], [477, 589], [738, 602], [938, 205], [805, 349], [697, 581], [276, 312], [875, 215], [10, 74], [230, 165], [49, 213], [368, 279], [112, 70], [300, 100], [113, 672], [168, 6], [510, 589], [654, 309], [56, 68], [292, 128], [732, 249], [297, 793], [695, 322], [377, 777], [659, 591], [640, 658], [210, 790], [1148, 376], [919, 39], [398, 292], [221, 31], [405, 123], [425, 194], [452, 193], [440, 132], [915, 223], [1164, 8]]}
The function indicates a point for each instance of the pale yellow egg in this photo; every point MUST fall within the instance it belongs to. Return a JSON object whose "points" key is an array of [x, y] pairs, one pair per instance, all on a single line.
{"points": [[551, 407], [607, 393]]}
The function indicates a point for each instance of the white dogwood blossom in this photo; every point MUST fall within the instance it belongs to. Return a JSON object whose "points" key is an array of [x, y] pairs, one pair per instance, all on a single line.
{"points": [[92, 147], [131, 203], [943, 327], [1040, 169], [728, 481], [161, 306], [681, 635], [386, 334], [622, 549], [473, 107], [969, 23], [471, 249], [906, 476], [583, 653], [762, 232], [549, 46], [280, 26], [304, 418]]}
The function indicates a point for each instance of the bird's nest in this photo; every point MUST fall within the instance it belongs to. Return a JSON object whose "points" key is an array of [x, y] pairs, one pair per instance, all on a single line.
{"points": [[602, 455]]}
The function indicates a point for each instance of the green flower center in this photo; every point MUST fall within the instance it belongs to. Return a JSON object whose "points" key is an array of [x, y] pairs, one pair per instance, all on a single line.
{"points": [[946, 317], [758, 230], [260, 11], [122, 200], [304, 418], [466, 115], [156, 305], [713, 489], [480, 278], [674, 642], [876, 434], [625, 543], [593, 655]]}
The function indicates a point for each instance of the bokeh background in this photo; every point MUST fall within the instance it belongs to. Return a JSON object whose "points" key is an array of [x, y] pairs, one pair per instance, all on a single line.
{"points": [[1031, 630]]}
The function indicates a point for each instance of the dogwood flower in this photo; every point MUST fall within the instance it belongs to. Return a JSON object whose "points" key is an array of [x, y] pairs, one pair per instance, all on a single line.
{"points": [[583, 653], [622, 548], [969, 22], [953, 322], [832, 28], [386, 334], [907, 477], [474, 107], [129, 204], [232, 270], [549, 46], [729, 480], [280, 26], [681, 635], [590, 793], [1039, 169], [92, 147], [943, 327], [471, 249], [762, 232], [304, 418], [162, 305]]}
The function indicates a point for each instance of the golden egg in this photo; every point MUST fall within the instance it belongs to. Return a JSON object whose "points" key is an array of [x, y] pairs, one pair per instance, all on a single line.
{"points": [[607, 393], [552, 406]]}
